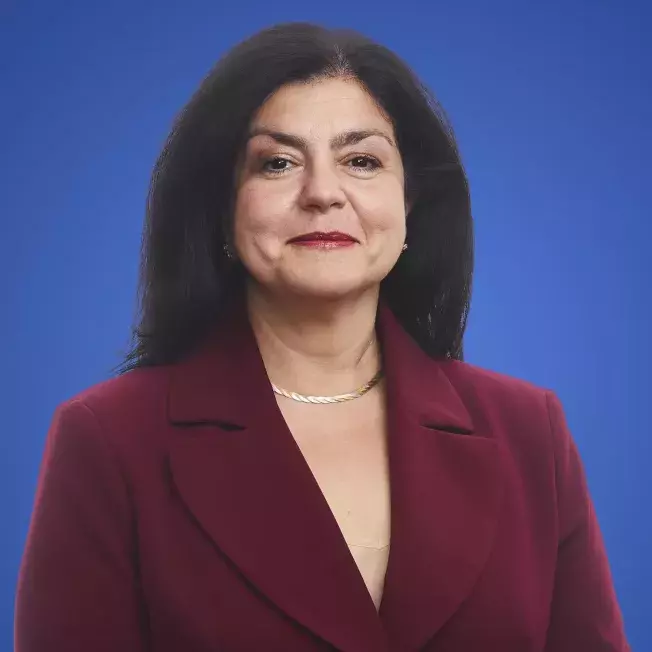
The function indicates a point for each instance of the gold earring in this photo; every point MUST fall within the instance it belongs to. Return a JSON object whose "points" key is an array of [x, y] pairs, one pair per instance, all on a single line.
{"points": [[228, 252]]}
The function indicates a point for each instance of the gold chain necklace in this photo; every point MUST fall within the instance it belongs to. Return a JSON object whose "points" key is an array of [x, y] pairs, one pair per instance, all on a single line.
{"points": [[338, 398]]}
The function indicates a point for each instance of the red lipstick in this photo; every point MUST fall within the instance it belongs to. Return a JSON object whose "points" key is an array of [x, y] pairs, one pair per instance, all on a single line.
{"points": [[322, 240]]}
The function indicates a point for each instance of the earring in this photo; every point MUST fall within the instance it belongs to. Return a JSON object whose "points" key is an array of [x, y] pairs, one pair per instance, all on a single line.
{"points": [[404, 247], [228, 252]]}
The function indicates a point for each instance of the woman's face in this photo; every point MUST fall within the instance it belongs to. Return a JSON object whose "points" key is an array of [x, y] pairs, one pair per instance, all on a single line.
{"points": [[320, 205]]}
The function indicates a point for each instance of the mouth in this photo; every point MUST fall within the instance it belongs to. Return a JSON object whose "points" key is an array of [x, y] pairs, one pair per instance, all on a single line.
{"points": [[323, 240]]}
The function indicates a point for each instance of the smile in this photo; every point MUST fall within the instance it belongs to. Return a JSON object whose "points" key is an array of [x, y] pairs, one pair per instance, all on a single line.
{"points": [[322, 240]]}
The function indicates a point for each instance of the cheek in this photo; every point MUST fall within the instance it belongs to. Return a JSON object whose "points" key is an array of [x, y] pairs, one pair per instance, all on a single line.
{"points": [[257, 214], [384, 211], [248, 209], [261, 225]]}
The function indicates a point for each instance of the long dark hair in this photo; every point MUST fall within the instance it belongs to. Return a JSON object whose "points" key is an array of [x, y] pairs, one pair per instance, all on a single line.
{"points": [[185, 273]]}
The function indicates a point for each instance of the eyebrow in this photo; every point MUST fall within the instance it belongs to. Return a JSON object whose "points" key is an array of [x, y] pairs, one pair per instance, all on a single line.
{"points": [[345, 139]]}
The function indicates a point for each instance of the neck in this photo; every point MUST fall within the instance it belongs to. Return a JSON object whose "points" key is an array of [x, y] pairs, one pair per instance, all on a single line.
{"points": [[316, 347]]}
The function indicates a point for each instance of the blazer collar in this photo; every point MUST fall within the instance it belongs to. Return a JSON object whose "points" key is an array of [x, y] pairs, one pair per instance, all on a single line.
{"points": [[445, 492], [222, 380]]}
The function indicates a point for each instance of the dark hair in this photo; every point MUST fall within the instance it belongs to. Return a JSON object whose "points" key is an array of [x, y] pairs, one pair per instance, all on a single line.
{"points": [[185, 273]]}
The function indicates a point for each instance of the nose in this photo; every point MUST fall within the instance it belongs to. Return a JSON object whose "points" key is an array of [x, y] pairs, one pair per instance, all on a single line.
{"points": [[322, 188]]}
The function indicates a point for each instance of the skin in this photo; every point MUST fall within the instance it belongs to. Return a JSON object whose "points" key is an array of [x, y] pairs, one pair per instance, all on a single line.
{"points": [[320, 180], [335, 168], [313, 308]]}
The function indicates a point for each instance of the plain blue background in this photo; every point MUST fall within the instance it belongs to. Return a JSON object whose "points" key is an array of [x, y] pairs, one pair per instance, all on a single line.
{"points": [[552, 104]]}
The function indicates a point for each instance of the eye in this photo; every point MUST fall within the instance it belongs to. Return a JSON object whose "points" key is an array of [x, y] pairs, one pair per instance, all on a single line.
{"points": [[364, 163], [276, 165]]}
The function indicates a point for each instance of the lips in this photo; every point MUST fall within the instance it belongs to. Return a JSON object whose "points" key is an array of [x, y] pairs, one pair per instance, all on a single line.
{"points": [[324, 240]]}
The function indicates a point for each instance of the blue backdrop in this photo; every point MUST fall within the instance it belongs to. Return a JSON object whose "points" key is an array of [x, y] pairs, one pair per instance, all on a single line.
{"points": [[552, 104]]}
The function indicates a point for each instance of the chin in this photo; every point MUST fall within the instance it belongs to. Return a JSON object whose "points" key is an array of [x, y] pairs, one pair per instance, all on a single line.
{"points": [[328, 295], [325, 282], [330, 288]]}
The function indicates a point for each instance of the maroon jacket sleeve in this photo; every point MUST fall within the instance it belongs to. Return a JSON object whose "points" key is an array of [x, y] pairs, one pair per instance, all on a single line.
{"points": [[585, 613], [77, 588]]}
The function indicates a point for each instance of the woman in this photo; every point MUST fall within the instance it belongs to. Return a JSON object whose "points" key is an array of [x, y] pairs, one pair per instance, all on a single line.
{"points": [[309, 233]]}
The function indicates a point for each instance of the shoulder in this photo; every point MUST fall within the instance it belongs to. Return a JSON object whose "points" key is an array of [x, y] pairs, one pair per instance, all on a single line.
{"points": [[476, 382], [515, 410], [125, 409], [528, 422], [132, 391]]}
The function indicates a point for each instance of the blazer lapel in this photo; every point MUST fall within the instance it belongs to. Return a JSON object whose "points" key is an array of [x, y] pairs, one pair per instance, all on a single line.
{"points": [[244, 479], [446, 489]]}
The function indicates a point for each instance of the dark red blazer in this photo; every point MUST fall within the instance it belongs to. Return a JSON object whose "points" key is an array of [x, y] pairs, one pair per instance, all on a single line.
{"points": [[175, 513]]}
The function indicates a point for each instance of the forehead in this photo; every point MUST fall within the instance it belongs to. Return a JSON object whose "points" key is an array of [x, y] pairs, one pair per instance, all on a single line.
{"points": [[311, 106]]}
